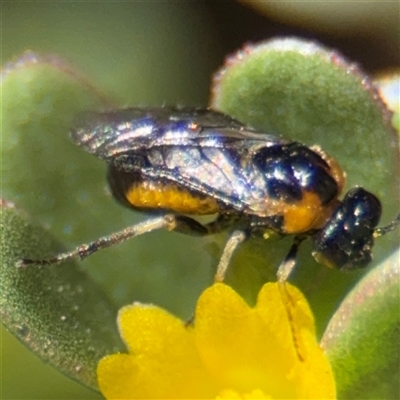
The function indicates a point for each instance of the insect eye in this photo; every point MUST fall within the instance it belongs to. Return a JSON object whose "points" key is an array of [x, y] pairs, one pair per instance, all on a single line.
{"points": [[345, 242]]}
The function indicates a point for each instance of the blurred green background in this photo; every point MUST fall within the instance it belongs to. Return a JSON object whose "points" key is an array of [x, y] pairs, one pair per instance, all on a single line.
{"points": [[154, 53]]}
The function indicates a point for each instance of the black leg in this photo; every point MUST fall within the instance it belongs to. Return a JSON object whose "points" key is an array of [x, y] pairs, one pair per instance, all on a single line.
{"points": [[190, 226], [289, 262]]}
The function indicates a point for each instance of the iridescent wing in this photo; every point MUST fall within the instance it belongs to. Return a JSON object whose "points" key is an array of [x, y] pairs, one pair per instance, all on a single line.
{"points": [[201, 150]]}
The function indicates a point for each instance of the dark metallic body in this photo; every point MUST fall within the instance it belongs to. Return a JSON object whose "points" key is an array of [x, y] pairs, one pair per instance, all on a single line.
{"points": [[208, 153], [255, 182]]}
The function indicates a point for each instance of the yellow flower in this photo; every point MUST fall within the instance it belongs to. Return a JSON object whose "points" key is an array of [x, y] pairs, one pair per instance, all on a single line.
{"points": [[232, 351]]}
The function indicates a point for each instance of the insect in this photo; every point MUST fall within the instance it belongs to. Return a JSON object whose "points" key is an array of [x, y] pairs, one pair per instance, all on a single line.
{"points": [[178, 162]]}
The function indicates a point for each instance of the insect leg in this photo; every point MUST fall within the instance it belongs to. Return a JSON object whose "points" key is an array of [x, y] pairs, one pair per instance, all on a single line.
{"points": [[289, 262], [235, 239], [190, 226], [165, 222]]}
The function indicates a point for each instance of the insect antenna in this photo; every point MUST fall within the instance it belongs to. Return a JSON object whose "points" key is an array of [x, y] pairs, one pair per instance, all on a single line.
{"points": [[388, 228]]}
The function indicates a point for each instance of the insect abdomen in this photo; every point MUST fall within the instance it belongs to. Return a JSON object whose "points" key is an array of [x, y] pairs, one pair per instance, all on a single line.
{"points": [[139, 192]]}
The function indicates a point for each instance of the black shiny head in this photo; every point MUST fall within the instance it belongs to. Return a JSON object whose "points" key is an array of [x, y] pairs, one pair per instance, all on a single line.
{"points": [[345, 242]]}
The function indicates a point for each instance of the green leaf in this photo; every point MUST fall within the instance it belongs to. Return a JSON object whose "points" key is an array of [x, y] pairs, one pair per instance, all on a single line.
{"points": [[57, 312], [362, 338], [306, 93], [40, 99]]}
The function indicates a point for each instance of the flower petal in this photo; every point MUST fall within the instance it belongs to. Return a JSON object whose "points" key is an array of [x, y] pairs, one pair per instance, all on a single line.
{"points": [[233, 395], [163, 362], [311, 374], [232, 351], [237, 345], [261, 347]]}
